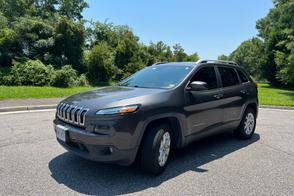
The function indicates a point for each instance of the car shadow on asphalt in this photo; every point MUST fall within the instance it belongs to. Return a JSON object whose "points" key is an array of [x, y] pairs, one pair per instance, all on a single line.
{"points": [[94, 178]]}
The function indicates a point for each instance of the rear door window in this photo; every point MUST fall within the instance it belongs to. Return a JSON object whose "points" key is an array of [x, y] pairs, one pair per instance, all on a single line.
{"points": [[242, 76], [228, 76]]}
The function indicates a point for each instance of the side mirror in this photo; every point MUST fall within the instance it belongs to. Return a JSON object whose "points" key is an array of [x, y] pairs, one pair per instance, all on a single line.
{"points": [[198, 86]]}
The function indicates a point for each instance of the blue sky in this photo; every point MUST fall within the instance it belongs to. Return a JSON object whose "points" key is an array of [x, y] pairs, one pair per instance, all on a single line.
{"points": [[208, 27]]}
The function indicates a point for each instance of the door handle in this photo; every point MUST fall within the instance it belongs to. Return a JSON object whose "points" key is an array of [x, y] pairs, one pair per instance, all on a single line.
{"points": [[218, 96], [243, 91]]}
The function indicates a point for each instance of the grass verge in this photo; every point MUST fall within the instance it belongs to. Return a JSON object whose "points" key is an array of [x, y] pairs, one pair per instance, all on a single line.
{"points": [[25, 92], [268, 95]]}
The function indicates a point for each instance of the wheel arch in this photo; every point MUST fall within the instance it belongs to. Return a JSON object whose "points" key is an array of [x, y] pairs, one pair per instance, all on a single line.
{"points": [[253, 105], [173, 121]]}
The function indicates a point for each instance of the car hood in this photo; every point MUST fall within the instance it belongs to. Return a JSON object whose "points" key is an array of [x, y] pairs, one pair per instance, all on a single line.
{"points": [[110, 97]]}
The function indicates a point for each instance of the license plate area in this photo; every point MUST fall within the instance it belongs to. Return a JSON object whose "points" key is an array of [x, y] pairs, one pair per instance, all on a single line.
{"points": [[61, 133]]}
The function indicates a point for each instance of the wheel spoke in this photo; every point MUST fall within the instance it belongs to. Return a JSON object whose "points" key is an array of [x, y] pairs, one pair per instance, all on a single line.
{"points": [[249, 123], [164, 149]]}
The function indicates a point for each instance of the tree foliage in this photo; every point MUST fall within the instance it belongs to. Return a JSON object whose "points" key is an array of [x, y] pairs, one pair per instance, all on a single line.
{"points": [[128, 54], [277, 30], [250, 55], [223, 57], [100, 63], [65, 77], [69, 44], [31, 73], [52, 33]]}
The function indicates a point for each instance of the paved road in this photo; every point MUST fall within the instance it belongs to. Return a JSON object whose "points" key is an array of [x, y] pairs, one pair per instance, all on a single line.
{"points": [[29, 102], [32, 163]]}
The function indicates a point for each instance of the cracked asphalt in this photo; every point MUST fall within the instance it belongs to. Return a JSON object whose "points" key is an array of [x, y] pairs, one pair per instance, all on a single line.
{"points": [[32, 163]]}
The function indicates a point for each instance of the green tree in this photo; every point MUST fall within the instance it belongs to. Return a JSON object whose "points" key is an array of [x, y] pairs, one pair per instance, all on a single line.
{"points": [[14, 8], [52, 32], [223, 57], [3, 21], [193, 57], [100, 64], [250, 55], [159, 52], [105, 32], [277, 30], [284, 60], [129, 55], [8, 46], [34, 36], [72, 9], [179, 53], [69, 40]]}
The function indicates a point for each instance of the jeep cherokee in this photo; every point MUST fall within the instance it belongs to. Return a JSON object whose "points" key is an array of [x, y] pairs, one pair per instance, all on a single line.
{"points": [[162, 107]]}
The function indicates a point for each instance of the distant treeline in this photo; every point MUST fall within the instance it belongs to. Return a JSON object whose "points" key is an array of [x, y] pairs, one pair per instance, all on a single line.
{"points": [[47, 42]]}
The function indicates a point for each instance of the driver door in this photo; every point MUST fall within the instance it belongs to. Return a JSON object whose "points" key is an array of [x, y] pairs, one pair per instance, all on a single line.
{"points": [[204, 107]]}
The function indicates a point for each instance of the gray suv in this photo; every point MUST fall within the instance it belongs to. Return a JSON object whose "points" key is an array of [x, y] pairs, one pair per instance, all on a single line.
{"points": [[160, 108]]}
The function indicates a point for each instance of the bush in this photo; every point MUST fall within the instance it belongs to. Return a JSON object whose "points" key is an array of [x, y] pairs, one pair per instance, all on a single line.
{"points": [[65, 77], [82, 80], [3, 73], [32, 72]]}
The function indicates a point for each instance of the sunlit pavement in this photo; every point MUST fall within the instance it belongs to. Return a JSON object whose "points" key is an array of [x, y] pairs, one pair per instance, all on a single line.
{"points": [[31, 162]]}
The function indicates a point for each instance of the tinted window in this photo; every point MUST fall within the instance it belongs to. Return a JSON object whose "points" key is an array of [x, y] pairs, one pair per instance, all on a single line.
{"points": [[242, 76], [162, 76], [206, 74], [228, 76]]}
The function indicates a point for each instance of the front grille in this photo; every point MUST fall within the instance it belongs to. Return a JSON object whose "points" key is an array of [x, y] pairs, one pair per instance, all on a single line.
{"points": [[71, 114]]}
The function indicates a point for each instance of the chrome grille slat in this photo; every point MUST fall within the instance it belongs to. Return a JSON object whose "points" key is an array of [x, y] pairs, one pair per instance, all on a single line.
{"points": [[67, 112], [79, 116], [71, 114], [63, 111], [60, 109], [76, 116]]}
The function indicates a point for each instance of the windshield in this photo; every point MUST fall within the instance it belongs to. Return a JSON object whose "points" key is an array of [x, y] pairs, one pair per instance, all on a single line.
{"points": [[157, 77]]}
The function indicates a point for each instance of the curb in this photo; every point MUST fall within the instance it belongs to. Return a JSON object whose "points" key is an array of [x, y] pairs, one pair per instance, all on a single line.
{"points": [[25, 108], [276, 107], [53, 106]]}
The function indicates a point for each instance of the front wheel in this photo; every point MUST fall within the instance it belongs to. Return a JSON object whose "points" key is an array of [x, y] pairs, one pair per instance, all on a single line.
{"points": [[156, 148], [247, 126]]}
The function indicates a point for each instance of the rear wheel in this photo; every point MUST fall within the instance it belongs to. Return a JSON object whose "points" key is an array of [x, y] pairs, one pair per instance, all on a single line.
{"points": [[247, 126], [156, 148]]}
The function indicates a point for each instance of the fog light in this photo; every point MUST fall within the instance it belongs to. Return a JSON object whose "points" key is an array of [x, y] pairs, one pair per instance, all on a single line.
{"points": [[110, 150]]}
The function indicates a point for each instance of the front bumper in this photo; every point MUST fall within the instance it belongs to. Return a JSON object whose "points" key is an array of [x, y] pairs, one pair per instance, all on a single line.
{"points": [[97, 147]]}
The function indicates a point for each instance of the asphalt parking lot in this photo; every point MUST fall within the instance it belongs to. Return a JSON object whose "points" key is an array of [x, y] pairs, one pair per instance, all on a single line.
{"points": [[32, 163]]}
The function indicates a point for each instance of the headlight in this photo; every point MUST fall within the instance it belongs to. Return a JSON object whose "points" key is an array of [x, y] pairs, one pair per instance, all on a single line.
{"points": [[118, 110]]}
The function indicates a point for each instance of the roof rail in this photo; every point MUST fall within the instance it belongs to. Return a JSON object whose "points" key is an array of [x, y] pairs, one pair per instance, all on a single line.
{"points": [[217, 61], [158, 63]]}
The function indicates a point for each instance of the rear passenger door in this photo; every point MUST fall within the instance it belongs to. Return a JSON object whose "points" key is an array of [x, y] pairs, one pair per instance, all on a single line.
{"points": [[234, 95]]}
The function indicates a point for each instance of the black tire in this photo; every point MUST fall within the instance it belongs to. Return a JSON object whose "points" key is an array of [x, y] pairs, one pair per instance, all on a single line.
{"points": [[150, 148], [241, 132]]}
